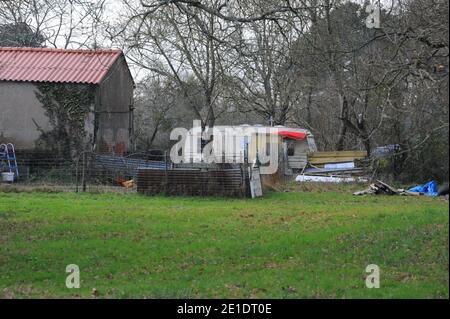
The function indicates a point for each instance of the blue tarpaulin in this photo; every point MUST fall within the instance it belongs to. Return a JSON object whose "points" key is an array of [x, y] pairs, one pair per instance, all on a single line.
{"points": [[429, 189]]}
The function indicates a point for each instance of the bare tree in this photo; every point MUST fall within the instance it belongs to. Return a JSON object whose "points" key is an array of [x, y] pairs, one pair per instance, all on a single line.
{"points": [[154, 101], [62, 23], [266, 78], [183, 44], [241, 11], [312, 63]]}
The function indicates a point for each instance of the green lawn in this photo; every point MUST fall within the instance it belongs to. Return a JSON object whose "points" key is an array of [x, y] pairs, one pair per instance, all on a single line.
{"points": [[286, 245]]}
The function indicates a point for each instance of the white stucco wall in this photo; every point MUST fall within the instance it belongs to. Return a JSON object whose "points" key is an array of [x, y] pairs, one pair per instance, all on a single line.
{"points": [[18, 108]]}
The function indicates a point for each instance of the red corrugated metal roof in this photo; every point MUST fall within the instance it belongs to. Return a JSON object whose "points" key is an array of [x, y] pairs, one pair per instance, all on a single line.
{"points": [[56, 65]]}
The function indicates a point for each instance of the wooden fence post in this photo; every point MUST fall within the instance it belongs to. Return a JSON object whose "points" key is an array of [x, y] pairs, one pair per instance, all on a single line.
{"points": [[166, 177], [83, 175], [76, 175]]}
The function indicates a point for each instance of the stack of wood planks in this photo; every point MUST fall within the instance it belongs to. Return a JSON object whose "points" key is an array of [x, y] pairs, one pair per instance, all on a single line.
{"points": [[319, 159], [336, 164]]}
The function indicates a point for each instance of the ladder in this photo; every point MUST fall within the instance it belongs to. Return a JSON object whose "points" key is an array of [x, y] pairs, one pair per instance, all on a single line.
{"points": [[8, 158]]}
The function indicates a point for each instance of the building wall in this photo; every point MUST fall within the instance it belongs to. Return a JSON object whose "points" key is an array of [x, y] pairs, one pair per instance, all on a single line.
{"points": [[114, 110], [109, 125], [18, 108]]}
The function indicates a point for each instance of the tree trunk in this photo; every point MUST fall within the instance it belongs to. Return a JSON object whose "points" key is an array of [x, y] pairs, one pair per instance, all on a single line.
{"points": [[343, 130], [308, 107]]}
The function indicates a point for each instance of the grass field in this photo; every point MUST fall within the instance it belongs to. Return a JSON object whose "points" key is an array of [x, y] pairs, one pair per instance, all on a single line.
{"points": [[285, 245]]}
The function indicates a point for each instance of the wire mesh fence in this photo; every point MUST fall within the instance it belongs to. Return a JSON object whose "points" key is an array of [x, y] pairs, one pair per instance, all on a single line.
{"points": [[87, 171], [93, 172]]}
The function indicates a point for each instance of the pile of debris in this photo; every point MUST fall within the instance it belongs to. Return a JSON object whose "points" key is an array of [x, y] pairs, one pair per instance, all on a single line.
{"points": [[380, 188], [428, 189], [339, 166]]}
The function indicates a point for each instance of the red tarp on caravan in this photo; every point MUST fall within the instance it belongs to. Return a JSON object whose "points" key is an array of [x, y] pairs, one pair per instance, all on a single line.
{"points": [[293, 135]]}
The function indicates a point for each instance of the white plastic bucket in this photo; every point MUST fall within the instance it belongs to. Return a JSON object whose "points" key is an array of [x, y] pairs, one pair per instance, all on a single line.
{"points": [[8, 177]]}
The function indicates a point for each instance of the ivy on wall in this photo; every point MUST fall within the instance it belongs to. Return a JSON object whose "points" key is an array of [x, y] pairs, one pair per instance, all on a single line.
{"points": [[67, 107]]}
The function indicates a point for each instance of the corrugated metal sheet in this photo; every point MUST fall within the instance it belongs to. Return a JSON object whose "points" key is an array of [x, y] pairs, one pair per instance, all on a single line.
{"points": [[228, 182], [128, 166], [56, 65]]}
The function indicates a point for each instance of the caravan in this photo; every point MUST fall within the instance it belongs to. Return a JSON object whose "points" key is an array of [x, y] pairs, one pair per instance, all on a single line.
{"points": [[236, 144]]}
